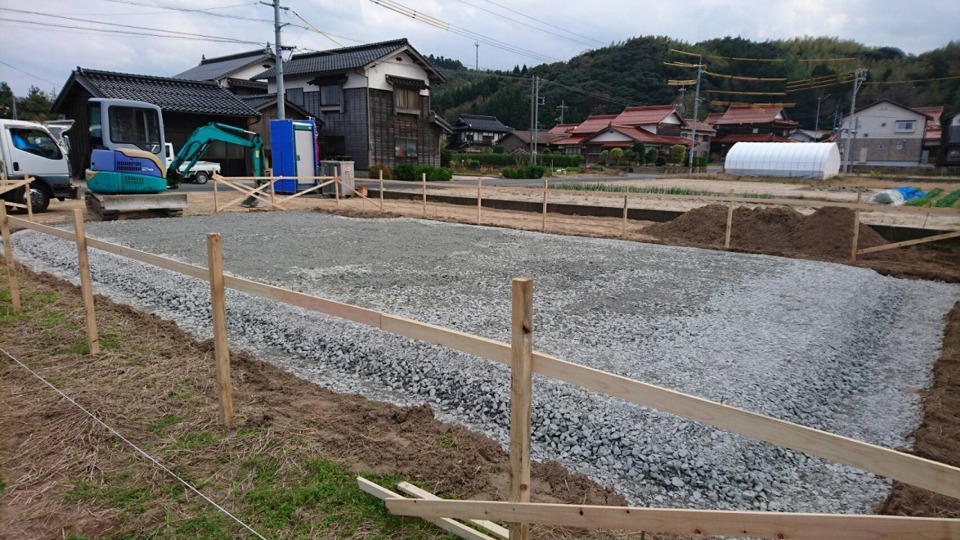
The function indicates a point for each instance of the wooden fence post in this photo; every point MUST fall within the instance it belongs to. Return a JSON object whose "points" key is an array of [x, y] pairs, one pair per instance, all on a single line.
{"points": [[726, 238], [856, 227], [543, 223], [521, 388], [336, 185], [273, 188], [479, 198], [8, 255], [381, 191], [220, 343], [623, 230], [423, 182], [27, 198], [216, 198], [86, 285]]}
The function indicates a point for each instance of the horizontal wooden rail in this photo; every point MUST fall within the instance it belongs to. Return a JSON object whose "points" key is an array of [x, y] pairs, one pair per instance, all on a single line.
{"points": [[678, 521], [924, 473], [489, 526], [905, 243], [46, 229], [446, 524]]}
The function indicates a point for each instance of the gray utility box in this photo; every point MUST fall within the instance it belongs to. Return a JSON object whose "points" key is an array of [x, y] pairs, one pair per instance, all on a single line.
{"points": [[345, 170]]}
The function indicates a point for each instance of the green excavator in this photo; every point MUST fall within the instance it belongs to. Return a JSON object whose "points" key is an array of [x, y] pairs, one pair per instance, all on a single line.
{"points": [[128, 170]]}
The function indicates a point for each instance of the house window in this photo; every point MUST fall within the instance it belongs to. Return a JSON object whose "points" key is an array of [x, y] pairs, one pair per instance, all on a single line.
{"points": [[330, 96], [899, 146], [905, 125], [571, 150], [334, 146], [408, 100], [880, 147], [295, 95], [406, 147]]}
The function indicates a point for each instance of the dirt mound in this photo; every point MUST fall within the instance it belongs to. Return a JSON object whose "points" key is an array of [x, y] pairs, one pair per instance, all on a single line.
{"points": [[825, 234]]}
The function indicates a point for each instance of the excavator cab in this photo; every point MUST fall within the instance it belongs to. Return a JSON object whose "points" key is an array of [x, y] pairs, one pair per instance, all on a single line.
{"points": [[128, 145]]}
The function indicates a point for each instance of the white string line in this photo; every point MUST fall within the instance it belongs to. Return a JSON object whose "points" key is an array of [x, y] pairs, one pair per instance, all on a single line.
{"points": [[135, 447]]}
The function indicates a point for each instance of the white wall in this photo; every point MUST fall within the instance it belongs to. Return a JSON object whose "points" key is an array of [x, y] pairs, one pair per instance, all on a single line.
{"points": [[880, 122], [376, 76]]}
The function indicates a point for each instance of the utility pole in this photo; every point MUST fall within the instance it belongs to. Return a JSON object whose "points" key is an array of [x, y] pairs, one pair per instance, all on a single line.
{"points": [[13, 97], [536, 120], [278, 57], [696, 112], [476, 65], [859, 76], [681, 103], [562, 107], [816, 125], [533, 101]]}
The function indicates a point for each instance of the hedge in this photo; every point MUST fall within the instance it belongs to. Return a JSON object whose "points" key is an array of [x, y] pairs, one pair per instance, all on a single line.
{"points": [[410, 173], [511, 160]]}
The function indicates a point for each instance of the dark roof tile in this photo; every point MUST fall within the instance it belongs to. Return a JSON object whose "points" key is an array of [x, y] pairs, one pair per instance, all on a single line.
{"points": [[211, 69]]}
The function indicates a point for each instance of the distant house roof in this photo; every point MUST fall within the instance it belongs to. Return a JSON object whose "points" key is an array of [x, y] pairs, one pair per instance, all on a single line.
{"points": [[477, 122], [751, 137], [244, 83], [895, 104], [211, 69], [570, 140], [171, 95], [636, 134], [260, 102], [712, 118], [804, 135], [562, 129], [933, 131], [543, 137], [345, 59], [647, 115], [593, 124], [753, 114], [438, 120], [703, 126]]}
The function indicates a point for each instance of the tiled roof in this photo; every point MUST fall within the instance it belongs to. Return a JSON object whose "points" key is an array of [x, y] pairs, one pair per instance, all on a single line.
{"points": [[641, 116], [438, 120], [346, 59], [751, 137], [259, 101], [644, 136], [752, 114], [244, 83], [562, 129], [933, 112], [571, 140], [703, 126], [593, 124], [171, 95], [543, 137], [477, 122], [214, 68], [712, 118]]}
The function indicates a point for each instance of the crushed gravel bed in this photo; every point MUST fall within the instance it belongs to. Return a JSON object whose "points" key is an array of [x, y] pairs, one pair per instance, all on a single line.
{"points": [[824, 345]]}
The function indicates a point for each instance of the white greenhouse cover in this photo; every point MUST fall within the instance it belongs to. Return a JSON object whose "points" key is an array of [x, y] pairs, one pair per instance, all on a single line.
{"points": [[790, 160]]}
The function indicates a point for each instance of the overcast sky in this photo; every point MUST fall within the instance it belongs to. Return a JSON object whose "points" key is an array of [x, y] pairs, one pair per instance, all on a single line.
{"points": [[41, 41]]}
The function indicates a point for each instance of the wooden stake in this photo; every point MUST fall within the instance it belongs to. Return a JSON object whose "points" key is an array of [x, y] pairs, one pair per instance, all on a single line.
{"points": [[726, 238], [543, 223], [856, 227], [336, 185], [220, 344], [521, 388], [623, 230], [381, 191], [424, 183], [479, 198], [27, 199], [86, 285], [8, 255], [216, 198], [273, 190]]}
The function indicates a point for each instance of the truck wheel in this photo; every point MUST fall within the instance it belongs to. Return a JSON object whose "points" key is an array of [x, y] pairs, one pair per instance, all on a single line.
{"points": [[201, 178], [39, 199]]}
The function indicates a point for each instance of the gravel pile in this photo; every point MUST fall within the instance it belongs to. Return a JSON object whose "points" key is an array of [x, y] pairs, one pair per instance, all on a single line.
{"points": [[824, 345]]}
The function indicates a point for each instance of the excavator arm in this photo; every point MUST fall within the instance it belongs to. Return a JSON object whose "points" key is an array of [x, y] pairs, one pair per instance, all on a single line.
{"points": [[200, 140]]}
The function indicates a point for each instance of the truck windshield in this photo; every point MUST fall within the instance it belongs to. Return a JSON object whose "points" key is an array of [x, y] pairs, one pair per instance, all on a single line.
{"points": [[136, 126], [35, 141]]}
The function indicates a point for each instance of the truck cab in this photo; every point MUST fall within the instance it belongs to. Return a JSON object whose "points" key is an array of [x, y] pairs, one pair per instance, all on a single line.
{"points": [[201, 171], [28, 148]]}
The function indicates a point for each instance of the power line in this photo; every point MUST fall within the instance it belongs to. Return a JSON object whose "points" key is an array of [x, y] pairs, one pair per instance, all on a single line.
{"points": [[953, 78], [598, 42], [30, 74], [442, 25], [204, 11], [562, 36], [88, 31], [775, 60]]}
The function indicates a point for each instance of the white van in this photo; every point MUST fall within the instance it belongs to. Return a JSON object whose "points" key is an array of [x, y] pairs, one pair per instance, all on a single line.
{"points": [[30, 148]]}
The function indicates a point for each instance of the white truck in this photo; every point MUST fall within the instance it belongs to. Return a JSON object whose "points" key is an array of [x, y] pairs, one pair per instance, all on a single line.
{"points": [[28, 148], [201, 171]]}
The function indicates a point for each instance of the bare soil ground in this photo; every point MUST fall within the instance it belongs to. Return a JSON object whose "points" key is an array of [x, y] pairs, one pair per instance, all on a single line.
{"points": [[65, 476]]}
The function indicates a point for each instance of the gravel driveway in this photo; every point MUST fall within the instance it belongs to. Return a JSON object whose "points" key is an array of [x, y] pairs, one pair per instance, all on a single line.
{"points": [[825, 345]]}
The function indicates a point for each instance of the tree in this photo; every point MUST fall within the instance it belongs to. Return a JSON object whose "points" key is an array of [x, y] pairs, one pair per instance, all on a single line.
{"points": [[651, 155], [6, 101], [35, 106], [604, 157], [640, 149], [678, 153], [616, 155]]}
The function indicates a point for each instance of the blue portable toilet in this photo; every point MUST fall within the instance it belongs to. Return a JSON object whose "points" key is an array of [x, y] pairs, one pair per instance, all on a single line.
{"points": [[294, 146]]}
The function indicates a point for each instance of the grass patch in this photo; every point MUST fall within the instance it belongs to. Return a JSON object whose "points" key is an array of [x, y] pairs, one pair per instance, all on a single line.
{"points": [[192, 441], [654, 190], [159, 426]]}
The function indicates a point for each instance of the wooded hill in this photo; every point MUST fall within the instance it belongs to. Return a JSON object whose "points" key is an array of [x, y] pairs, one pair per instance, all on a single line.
{"points": [[635, 72]]}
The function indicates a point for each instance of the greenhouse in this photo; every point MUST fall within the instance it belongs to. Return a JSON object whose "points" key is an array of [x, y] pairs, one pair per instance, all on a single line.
{"points": [[788, 160]]}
